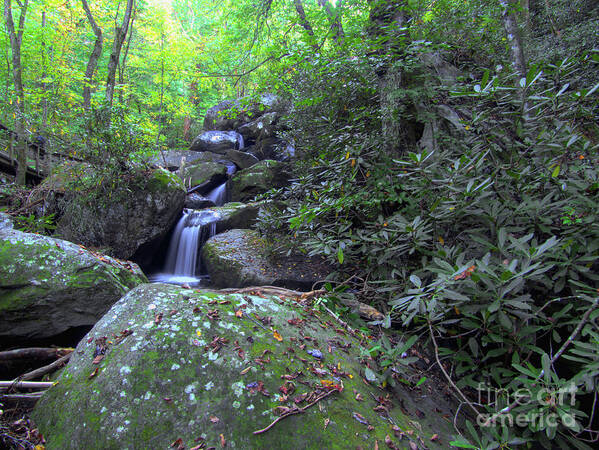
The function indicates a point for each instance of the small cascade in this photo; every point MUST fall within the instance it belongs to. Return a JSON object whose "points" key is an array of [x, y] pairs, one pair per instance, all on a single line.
{"points": [[240, 143], [219, 194], [183, 263]]}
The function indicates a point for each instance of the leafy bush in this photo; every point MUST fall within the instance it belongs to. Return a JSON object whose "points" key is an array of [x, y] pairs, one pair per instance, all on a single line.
{"points": [[489, 244]]}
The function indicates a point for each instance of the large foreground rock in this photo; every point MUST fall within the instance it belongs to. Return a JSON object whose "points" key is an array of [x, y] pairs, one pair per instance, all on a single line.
{"points": [[185, 367], [49, 285], [236, 215], [239, 258], [259, 178], [122, 219]]}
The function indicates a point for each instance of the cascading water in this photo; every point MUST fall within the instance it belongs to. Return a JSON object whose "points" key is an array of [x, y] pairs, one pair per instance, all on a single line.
{"points": [[218, 195], [183, 263]]}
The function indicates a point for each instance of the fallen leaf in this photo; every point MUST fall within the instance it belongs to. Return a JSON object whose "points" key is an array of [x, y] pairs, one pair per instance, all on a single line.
{"points": [[158, 318], [214, 419], [390, 443], [359, 397], [239, 313], [435, 437], [277, 336], [94, 373], [223, 442], [178, 444], [246, 370], [413, 446], [97, 359]]}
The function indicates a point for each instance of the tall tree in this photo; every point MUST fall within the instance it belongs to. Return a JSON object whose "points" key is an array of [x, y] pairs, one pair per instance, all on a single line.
{"points": [[303, 21], [16, 40], [120, 32], [93, 58], [335, 19]]}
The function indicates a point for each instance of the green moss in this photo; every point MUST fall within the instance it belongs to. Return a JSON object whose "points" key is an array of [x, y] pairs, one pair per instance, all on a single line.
{"points": [[162, 179]]}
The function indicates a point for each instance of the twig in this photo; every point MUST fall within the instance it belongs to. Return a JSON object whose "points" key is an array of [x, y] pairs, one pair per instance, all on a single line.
{"points": [[46, 369], [457, 389], [21, 398], [295, 411]]}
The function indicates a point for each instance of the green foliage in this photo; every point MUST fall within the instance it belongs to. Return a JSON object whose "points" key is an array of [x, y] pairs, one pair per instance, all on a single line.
{"points": [[32, 224]]}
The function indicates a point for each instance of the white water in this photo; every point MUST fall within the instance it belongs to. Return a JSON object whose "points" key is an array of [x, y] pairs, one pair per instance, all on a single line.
{"points": [[218, 195], [240, 142], [183, 262]]}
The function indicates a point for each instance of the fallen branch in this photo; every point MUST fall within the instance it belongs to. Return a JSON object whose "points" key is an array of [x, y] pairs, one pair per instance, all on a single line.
{"points": [[34, 353], [26, 384], [46, 369], [295, 411]]}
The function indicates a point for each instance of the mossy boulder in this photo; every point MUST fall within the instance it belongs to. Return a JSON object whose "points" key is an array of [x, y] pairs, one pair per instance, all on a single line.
{"points": [[122, 218], [241, 159], [238, 258], [217, 141], [258, 179], [5, 221], [236, 215], [48, 285], [211, 173], [232, 114], [186, 367]]}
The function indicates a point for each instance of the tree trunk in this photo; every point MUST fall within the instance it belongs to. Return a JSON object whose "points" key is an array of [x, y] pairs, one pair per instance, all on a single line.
{"points": [[119, 37], [388, 20], [334, 19], [16, 38], [514, 39], [303, 21], [93, 58], [123, 62]]}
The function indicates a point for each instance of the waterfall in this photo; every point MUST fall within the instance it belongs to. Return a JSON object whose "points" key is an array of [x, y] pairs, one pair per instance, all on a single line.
{"points": [[183, 263], [240, 142], [219, 194]]}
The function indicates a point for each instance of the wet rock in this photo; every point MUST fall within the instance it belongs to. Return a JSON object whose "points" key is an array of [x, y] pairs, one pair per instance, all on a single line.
{"points": [[211, 173], [48, 286], [120, 219], [217, 142], [272, 148], [240, 258], [211, 368], [196, 201], [258, 179], [241, 159]]}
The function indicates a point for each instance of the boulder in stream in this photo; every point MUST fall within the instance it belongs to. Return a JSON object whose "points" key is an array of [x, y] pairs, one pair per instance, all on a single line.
{"points": [[231, 114], [217, 142], [121, 219], [240, 258], [196, 201], [258, 179], [241, 159], [211, 173], [236, 215], [48, 286], [183, 368]]}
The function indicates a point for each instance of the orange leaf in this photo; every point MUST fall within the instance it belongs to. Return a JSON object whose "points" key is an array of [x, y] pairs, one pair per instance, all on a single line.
{"points": [[277, 336], [239, 313], [94, 373]]}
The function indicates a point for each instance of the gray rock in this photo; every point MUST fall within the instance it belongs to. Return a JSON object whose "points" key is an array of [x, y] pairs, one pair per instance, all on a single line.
{"points": [[48, 285], [259, 178], [263, 126], [174, 158], [205, 374], [238, 258], [230, 115], [236, 215], [217, 142], [5, 221], [123, 218], [272, 148], [204, 172], [241, 159], [196, 201]]}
